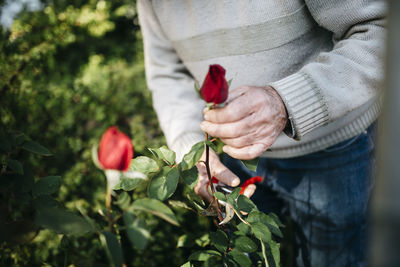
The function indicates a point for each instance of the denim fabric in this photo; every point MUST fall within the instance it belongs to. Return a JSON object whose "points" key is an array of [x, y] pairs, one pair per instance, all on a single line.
{"points": [[326, 194]]}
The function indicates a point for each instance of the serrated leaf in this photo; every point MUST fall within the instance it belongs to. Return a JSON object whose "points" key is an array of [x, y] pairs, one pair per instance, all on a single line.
{"points": [[112, 247], [220, 240], [190, 159], [245, 204], [144, 164], [16, 166], [273, 253], [128, 184], [242, 259], [62, 221], [276, 219], [258, 216], [36, 148], [136, 230], [47, 186], [164, 184], [245, 244], [251, 164], [165, 154], [261, 231], [156, 208], [190, 177], [203, 255]]}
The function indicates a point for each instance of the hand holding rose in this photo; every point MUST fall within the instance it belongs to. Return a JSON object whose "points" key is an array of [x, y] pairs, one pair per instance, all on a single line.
{"points": [[249, 123]]}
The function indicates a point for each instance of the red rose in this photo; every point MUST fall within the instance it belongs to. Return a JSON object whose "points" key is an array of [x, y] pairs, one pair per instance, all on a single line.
{"points": [[215, 87], [255, 179], [115, 150]]}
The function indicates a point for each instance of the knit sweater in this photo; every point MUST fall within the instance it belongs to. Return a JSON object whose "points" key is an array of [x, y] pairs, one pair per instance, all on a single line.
{"points": [[324, 58]]}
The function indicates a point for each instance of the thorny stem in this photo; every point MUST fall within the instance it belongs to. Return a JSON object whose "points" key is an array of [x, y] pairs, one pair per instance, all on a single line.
{"points": [[207, 163]]}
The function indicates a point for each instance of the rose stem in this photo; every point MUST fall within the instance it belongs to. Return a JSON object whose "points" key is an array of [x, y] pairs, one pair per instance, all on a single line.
{"points": [[207, 163], [108, 205]]}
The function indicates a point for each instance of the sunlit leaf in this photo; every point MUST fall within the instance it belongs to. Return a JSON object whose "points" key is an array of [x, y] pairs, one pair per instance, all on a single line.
{"points": [[156, 208], [164, 184]]}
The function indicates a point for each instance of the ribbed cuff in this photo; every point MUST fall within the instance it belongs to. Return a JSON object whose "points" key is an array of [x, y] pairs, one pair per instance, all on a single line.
{"points": [[182, 144], [304, 103]]}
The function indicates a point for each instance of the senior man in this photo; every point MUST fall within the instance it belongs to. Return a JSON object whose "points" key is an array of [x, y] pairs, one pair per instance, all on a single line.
{"points": [[306, 77]]}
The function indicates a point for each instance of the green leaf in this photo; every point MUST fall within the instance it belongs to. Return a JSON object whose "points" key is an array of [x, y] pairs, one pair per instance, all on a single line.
{"points": [[203, 240], [276, 219], [179, 204], [187, 264], [36, 148], [273, 253], [185, 241], [47, 186], [136, 230], [245, 244], [128, 184], [242, 259], [251, 164], [258, 216], [45, 201], [112, 247], [234, 195], [156, 208], [62, 221], [164, 184], [261, 231], [16, 166], [191, 158], [165, 154], [244, 228], [124, 200], [214, 261], [230, 82], [190, 177], [144, 164], [220, 196], [203, 255], [212, 145], [245, 204], [220, 240]]}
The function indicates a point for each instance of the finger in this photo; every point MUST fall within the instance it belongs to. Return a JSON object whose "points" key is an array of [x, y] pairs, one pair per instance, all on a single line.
{"points": [[238, 142], [231, 112], [201, 189], [227, 130], [247, 152], [249, 191], [223, 174]]}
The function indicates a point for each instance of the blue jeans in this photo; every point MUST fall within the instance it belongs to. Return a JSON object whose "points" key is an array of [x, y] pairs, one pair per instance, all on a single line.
{"points": [[326, 195]]}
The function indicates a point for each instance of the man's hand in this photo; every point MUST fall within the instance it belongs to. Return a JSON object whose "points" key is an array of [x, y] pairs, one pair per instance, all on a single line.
{"points": [[219, 171], [249, 123]]}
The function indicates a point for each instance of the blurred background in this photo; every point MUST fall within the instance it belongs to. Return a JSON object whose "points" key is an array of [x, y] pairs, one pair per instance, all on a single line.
{"points": [[69, 69]]}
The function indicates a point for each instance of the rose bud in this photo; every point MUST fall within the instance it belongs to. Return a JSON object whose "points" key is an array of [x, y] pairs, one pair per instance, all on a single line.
{"points": [[215, 87], [253, 180], [115, 150]]}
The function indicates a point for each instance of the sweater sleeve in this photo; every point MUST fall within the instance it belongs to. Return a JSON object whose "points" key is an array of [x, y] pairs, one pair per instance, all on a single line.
{"points": [[346, 77], [175, 100]]}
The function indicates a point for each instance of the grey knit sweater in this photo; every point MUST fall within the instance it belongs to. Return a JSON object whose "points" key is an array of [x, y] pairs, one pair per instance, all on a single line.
{"points": [[322, 56]]}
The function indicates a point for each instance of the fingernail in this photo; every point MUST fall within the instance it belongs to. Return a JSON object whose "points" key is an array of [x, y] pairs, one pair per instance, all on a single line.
{"points": [[236, 182]]}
